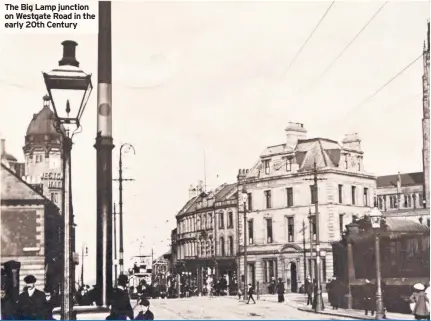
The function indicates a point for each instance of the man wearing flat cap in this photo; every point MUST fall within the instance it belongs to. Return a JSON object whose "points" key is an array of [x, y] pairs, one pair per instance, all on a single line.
{"points": [[31, 303], [121, 308], [145, 313]]}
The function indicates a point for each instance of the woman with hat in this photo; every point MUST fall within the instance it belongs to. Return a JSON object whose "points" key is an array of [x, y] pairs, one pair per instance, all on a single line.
{"points": [[31, 303], [419, 302], [120, 303], [145, 313]]}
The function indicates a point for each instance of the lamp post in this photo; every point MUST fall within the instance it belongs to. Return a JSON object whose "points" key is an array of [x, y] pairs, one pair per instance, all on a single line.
{"points": [[69, 89], [244, 198], [376, 223], [120, 190]]}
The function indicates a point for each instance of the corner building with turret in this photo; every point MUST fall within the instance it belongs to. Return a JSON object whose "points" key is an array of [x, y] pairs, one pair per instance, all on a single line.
{"points": [[281, 226]]}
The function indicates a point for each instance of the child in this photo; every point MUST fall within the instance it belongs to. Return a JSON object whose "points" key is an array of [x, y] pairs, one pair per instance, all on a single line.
{"points": [[145, 313]]}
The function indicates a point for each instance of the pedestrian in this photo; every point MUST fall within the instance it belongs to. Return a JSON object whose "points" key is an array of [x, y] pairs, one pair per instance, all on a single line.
{"points": [[31, 304], [330, 290], [419, 302], [7, 308], [428, 294], [250, 294], [120, 302], [49, 306], [309, 291], [369, 297], [145, 313], [337, 293], [280, 290]]}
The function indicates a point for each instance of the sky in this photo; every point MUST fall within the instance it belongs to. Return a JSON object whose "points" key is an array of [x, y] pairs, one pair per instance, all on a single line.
{"points": [[201, 88]]}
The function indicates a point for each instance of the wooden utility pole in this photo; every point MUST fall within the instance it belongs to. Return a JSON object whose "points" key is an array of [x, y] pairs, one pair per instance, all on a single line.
{"points": [[426, 120]]}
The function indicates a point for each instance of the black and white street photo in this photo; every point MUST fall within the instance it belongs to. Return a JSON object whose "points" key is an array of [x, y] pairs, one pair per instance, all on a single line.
{"points": [[221, 160]]}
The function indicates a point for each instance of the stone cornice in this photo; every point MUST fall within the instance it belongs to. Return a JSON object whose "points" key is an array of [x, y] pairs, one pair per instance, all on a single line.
{"points": [[309, 173]]}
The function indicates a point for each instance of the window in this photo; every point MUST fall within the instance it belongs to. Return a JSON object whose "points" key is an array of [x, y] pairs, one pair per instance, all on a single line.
{"points": [[346, 161], [221, 220], [365, 196], [230, 220], [428, 222], [392, 201], [359, 163], [421, 200], [288, 165], [250, 201], [407, 201], [268, 199], [231, 245], [267, 164], [289, 194], [268, 230], [250, 232], [341, 222], [313, 194], [290, 229], [353, 195], [222, 252], [380, 203], [270, 270], [54, 197], [340, 193]]}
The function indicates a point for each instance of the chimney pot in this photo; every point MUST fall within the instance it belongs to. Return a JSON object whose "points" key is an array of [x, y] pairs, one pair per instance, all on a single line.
{"points": [[69, 54]]}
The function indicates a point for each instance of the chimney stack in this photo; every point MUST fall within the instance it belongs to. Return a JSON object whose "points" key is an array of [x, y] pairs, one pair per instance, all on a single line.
{"points": [[294, 132], [352, 142]]}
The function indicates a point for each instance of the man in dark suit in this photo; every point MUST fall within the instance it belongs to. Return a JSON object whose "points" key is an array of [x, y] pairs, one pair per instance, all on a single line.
{"points": [[31, 304], [145, 313], [121, 308]]}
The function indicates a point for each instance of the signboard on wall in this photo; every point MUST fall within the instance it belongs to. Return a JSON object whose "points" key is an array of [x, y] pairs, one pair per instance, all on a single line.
{"points": [[54, 180], [18, 232]]}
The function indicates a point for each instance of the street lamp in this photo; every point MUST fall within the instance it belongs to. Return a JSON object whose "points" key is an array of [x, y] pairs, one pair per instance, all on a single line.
{"points": [[69, 89], [244, 199], [376, 223]]}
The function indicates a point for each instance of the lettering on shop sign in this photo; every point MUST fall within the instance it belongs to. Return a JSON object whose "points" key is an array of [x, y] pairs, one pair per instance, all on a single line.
{"points": [[54, 179]]}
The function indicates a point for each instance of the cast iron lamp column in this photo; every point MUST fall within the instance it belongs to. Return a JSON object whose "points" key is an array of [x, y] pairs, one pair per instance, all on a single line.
{"points": [[244, 197], [62, 84], [376, 223]]}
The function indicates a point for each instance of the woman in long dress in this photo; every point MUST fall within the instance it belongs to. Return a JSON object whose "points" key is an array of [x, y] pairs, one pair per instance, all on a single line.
{"points": [[419, 302]]}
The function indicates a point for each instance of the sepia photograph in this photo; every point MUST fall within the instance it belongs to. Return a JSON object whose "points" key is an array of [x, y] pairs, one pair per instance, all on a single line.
{"points": [[215, 160]]}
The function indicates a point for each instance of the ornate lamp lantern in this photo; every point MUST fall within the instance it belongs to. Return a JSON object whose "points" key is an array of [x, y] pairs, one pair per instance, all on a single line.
{"points": [[376, 218], [68, 87]]}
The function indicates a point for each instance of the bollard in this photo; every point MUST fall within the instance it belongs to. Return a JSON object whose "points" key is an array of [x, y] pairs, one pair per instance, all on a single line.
{"points": [[257, 291]]}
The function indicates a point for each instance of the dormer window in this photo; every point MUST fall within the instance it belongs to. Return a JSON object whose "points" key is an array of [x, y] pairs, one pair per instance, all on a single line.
{"points": [[267, 165], [288, 165]]}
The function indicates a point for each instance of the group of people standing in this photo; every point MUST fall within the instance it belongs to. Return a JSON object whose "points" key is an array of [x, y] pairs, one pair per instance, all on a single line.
{"points": [[32, 304]]}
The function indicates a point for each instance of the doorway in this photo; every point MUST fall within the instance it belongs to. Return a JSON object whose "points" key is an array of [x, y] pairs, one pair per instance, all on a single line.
{"points": [[293, 278]]}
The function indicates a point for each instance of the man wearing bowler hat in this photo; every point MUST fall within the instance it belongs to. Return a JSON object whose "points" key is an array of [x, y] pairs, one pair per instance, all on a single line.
{"points": [[31, 303], [121, 308]]}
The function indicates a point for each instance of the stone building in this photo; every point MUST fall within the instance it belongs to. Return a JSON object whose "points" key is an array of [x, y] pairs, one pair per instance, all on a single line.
{"points": [[281, 205], [42, 151], [30, 231], [206, 240], [402, 196]]}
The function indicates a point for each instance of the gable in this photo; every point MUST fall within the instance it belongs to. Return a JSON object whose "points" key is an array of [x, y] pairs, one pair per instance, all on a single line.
{"points": [[14, 188]]}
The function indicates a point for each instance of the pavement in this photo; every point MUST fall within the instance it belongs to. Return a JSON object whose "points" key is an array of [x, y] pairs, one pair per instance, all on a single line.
{"points": [[300, 300]]}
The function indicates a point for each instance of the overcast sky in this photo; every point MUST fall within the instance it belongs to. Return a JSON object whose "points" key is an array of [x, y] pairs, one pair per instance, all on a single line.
{"points": [[195, 76]]}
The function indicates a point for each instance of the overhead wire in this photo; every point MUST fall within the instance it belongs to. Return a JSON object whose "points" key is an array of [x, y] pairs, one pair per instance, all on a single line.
{"points": [[314, 82], [399, 73], [351, 42]]}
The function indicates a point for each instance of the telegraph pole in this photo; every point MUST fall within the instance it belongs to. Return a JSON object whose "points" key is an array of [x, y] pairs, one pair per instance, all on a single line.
{"points": [[115, 246], [319, 300], [120, 190], [426, 121]]}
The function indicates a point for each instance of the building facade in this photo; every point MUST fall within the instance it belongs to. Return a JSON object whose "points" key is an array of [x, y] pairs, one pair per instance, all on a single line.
{"points": [[31, 231], [402, 196], [42, 151], [206, 244], [281, 226]]}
